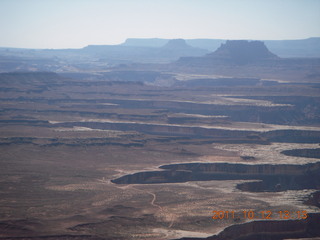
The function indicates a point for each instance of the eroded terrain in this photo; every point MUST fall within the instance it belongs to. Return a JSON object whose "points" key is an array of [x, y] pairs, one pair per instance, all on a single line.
{"points": [[224, 146], [64, 140]]}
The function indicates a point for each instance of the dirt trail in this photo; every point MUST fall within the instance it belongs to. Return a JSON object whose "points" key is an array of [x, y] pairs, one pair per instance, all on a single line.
{"points": [[152, 202], [154, 198], [158, 206]]}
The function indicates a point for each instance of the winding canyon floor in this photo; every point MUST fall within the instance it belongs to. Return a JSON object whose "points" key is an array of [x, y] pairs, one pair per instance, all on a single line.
{"points": [[64, 141]]}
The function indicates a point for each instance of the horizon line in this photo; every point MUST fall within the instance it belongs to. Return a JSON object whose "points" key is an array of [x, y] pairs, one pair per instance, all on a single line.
{"points": [[150, 38]]}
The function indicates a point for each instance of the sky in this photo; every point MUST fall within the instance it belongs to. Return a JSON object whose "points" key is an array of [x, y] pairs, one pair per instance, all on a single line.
{"points": [[78, 23]]}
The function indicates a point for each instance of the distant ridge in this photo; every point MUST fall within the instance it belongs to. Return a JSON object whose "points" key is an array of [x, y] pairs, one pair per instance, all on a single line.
{"points": [[198, 53], [309, 47]]}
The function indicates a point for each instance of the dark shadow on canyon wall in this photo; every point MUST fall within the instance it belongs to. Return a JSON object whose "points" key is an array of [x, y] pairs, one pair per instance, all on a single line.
{"points": [[308, 153], [272, 177], [270, 230]]}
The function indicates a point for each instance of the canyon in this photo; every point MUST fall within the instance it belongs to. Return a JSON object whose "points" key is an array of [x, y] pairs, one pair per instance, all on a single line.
{"points": [[150, 150]]}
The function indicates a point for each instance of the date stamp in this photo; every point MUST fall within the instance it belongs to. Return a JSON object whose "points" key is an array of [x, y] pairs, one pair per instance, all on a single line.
{"points": [[265, 214]]}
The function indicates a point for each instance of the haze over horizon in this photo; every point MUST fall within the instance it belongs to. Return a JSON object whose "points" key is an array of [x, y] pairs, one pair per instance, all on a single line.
{"points": [[76, 24]]}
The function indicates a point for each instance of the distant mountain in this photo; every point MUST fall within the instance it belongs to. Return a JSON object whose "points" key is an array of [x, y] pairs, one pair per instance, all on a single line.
{"points": [[235, 52], [242, 52], [172, 50], [283, 48], [244, 58], [156, 50]]}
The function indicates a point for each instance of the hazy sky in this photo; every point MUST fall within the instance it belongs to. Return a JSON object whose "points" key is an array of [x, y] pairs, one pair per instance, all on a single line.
{"points": [[77, 23]]}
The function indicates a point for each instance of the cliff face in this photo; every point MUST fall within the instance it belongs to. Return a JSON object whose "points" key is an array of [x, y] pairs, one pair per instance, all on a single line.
{"points": [[273, 177]]}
